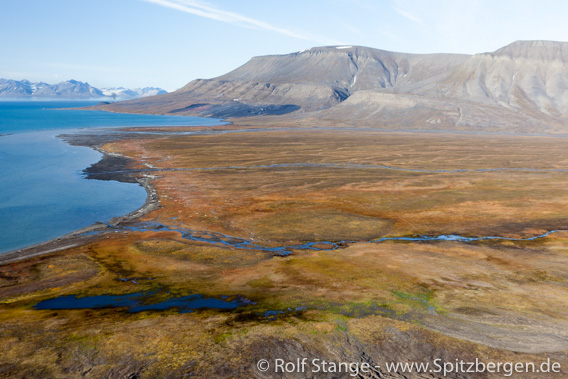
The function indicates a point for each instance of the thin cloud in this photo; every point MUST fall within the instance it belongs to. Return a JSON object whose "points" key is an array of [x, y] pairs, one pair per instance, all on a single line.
{"points": [[409, 16], [206, 11]]}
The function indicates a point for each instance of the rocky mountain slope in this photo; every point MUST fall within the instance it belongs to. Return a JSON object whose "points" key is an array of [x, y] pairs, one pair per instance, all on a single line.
{"points": [[524, 75], [70, 89], [522, 87]]}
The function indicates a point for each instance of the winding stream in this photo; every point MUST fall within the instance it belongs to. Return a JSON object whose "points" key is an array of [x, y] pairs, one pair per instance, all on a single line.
{"points": [[219, 239], [249, 244]]}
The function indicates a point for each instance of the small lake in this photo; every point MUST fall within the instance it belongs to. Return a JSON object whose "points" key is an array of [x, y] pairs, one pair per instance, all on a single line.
{"points": [[44, 193], [142, 301]]}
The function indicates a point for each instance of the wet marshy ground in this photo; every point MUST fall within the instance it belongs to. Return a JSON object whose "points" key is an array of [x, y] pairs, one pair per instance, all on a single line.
{"points": [[330, 244]]}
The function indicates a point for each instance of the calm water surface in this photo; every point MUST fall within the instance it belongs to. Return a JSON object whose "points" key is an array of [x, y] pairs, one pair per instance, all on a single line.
{"points": [[44, 194]]}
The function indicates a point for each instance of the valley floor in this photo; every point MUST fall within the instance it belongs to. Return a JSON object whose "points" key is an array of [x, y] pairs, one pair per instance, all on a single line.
{"points": [[238, 206]]}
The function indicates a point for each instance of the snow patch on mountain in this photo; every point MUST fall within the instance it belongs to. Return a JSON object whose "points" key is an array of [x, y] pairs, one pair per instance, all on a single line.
{"points": [[121, 92], [71, 89]]}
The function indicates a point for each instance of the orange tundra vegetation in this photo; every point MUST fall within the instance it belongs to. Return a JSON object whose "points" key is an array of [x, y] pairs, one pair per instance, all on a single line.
{"points": [[362, 301]]}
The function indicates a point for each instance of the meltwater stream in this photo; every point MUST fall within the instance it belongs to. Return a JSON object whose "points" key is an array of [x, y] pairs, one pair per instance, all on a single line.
{"points": [[224, 240], [44, 194]]}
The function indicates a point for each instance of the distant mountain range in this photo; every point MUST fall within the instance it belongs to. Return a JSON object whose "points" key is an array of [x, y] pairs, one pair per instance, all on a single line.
{"points": [[520, 88], [70, 89], [124, 93]]}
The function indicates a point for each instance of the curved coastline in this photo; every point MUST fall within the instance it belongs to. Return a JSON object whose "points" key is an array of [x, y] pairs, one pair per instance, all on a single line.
{"points": [[144, 178], [34, 122], [89, 233]]}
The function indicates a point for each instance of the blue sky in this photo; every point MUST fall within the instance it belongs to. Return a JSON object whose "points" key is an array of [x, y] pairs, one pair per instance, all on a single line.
{"points": [[167, 43]]}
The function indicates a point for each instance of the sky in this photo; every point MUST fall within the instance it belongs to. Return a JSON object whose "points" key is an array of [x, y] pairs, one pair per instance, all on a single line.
{"points": [[167, 43]]}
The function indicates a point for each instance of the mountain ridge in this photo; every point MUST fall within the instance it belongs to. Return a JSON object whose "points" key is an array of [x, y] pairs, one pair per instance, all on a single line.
{"points": [[521, 87], [70, 89]]}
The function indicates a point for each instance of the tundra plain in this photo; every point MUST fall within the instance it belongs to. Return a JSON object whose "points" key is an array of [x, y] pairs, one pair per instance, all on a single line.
{"points": [[237, 206]]}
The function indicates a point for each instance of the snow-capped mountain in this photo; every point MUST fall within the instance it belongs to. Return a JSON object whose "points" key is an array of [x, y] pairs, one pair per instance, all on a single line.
{"points": [[70, 89], [13, 88], [121, 92]]}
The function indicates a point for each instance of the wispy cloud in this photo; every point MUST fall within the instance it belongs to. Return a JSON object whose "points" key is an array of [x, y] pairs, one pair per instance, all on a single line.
{"points": [[409, 16], [201, 9]]}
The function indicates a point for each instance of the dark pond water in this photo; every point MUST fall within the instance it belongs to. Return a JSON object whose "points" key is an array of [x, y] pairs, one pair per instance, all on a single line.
{"points": [[144, 301]]}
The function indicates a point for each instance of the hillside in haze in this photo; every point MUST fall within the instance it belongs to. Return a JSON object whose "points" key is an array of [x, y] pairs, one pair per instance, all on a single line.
{"points": [[520, 88], [70, 89]]}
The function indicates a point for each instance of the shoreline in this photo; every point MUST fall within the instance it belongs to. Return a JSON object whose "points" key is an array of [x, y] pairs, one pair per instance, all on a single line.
{"points": [[109, 167], [97, 230], [117, 170]]}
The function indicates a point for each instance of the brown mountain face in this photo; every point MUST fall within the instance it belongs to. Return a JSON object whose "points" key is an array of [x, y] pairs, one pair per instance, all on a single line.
{"points": [[520, 88]]}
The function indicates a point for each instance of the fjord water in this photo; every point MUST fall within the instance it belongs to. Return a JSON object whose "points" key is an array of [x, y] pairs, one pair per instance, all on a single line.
{"points": [[26, 116], [44, 193]]}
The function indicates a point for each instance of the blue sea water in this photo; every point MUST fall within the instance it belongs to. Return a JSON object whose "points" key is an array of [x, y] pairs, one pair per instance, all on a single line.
{"points": [[26, 116], [43, 193]]}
